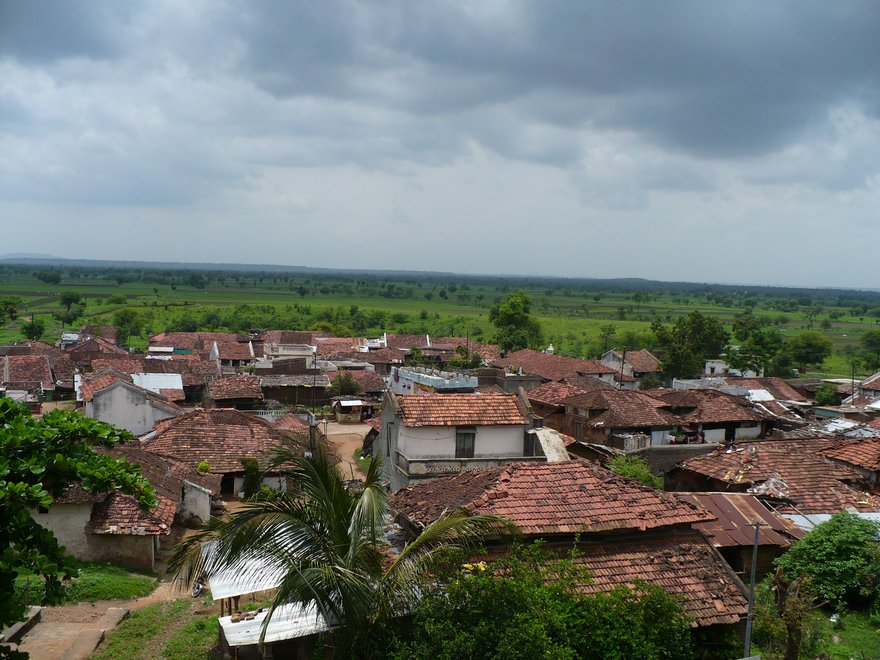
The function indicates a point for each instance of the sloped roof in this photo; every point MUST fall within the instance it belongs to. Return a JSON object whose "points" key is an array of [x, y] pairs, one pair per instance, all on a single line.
{"points": [[712, 407], [166, 474], [220, 436], [790, 470], [235, 387], [118, 513], [194, 370], [194, 341], [683, 564], [550, 366], [307, 337], [736, 513], [394, 340], [624, 409], [461, 410], [862, 453], [235, 350], [291, 422], [27, 371], [369, 381], [780, 390], [549, 498], [108, 332], [96, 382], [643, 361], [555, 393]]}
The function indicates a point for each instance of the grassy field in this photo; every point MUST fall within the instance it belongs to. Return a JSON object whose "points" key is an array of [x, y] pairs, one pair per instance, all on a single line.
{"points": [[95, 582], [571, 316]]}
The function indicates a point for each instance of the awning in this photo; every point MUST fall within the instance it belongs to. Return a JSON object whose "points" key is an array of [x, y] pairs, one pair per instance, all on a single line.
{"points": [[246, 577], [287, 622]]}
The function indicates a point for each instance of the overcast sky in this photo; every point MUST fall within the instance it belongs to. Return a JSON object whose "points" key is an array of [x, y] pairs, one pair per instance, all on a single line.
{"points": [[700, 141]]}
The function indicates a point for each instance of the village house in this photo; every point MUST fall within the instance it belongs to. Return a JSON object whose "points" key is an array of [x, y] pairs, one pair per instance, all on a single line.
{"points": [[112, 527], [600, 415], [552, 367], [636, 364], [309, 389], [83, 353], [792, 477], [623, 531], [548, 400], [240, 392], [416, 380], [27, 373], [195, 371], [862, 456], [716, 416], [424, 436], [111, 397], [218, 439], [732, 532]]}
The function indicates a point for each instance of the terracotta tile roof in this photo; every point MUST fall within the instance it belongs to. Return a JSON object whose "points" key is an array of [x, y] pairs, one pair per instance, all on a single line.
{"points": [[235, 387], [780, 390], [193, 341], [307, 337], [587, 383], [789, 470], [166, 474], [319, 381], [736, 513], [871, 383], [172, 395], [712, 407], [682, 564], [291, 422], [375, 423], [622, 409], [234, 350], [551, 366], [26, 372], [118, 513], [97, 382], [643, 361], [488, 352], [194, 370], [461, 409], [108, 332], [554, 393], [336, 345], [406, 341], [369, 381], [861, 453], [76, 494], [220, 436], [549, 498]]}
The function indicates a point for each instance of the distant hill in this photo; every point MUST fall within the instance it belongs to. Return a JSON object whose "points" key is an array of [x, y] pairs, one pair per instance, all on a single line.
{"points": [[623, 283]]}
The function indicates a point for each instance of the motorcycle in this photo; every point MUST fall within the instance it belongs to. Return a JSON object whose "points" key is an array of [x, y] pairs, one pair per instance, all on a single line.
{"points": [[199, 586]]}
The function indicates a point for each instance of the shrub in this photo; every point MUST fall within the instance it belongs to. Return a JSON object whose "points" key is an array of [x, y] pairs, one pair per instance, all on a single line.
{"points": [[636, 468], [203, 467], [841, 556]]}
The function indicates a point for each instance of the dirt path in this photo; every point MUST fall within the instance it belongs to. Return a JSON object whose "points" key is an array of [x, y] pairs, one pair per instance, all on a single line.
{"points": [[346, 438]]}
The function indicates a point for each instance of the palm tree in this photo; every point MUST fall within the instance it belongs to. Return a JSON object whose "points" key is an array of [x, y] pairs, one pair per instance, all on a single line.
{"points": [[328, 541]]}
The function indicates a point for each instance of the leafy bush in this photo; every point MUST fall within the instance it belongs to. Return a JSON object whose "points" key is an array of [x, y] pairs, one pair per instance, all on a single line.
{"points": [[842, 557], [635, 467], [203, 467], [252, 478], [527, 605]]}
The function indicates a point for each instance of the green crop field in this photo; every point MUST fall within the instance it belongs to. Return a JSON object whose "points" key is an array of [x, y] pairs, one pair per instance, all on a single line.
{"points": [[571, 312]]}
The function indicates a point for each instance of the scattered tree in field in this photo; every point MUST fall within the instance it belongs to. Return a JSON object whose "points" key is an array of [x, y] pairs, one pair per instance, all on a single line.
{"points": [[344, 385], [9, 306], [40, 459], [49, 276], [841, 556], [69, 298], [635, 467], [34, 329], [128, 323], [687, 345], [607, 333], [783, 627], [515, 328], [71, 314], [870, 343], [808, 349]]}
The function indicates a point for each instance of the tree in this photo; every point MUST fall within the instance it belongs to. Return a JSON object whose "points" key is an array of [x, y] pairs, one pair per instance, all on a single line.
{"points": [[516, 329], [34, 329], [344, 384], [69, 298], [128, 322], [49, 276], [527, 605], [607, 332], [826, 395], [71, 314], [688, 343], [808, 349], [870, 343], [39, 459], [9, 306], [327, 540], [461, 360], [635, 467], [841, 556]]}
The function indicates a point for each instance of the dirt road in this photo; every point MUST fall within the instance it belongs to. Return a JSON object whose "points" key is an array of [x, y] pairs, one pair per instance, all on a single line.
{"points": [[346, 438]]}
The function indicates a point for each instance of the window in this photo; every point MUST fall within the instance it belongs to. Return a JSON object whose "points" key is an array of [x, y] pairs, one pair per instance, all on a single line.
{"points": [[464, 442]]}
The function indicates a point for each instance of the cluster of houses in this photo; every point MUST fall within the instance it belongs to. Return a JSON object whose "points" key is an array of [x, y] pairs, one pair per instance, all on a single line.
{"points": [[527, 436]]}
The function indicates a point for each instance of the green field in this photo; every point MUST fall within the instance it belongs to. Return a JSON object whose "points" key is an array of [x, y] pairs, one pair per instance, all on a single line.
{"points": [[571, 312]]}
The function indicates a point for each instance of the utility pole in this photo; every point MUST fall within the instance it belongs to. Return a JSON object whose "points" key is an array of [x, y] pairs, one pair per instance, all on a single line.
{"points": [[748, 643]]}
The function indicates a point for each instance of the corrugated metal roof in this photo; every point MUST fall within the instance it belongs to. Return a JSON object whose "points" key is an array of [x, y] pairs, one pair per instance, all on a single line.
{"points": [[736, 514]]}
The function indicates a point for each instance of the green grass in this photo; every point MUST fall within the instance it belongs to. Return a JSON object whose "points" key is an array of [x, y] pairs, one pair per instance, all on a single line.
{"points": [[95, 582], [853, 637], [363, 462], [155, 630]]}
